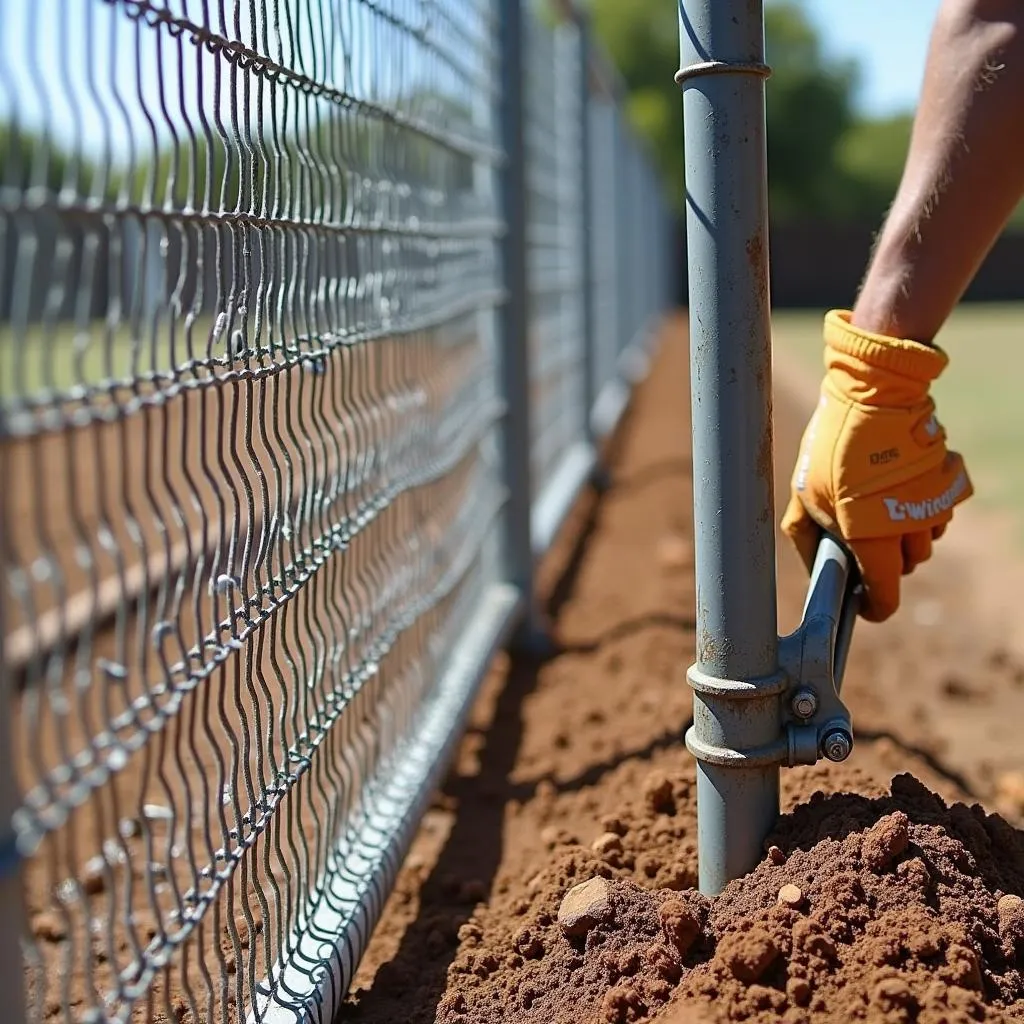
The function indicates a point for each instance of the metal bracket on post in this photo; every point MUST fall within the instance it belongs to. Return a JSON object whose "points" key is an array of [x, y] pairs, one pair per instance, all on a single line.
{"points": [[813, 657]]}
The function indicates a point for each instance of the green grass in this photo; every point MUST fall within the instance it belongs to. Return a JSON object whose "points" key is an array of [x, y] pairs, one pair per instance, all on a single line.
{"points": [[980, 397], [59, 358]]}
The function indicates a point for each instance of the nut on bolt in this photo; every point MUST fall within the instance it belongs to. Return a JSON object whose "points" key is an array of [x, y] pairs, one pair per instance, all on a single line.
{"points": [[837, 745], [804, 703]]}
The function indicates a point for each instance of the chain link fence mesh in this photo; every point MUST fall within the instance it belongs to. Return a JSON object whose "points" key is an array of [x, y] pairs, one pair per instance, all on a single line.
{"points": [[251, 492]]}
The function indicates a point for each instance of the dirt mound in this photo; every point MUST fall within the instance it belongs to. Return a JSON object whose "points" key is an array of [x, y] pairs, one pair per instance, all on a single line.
{"points": [[625, 956], [890, 908], [573, 769]]}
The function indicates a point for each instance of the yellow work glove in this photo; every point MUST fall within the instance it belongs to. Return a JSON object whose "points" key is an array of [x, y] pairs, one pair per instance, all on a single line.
{"points": [[873, 467]]}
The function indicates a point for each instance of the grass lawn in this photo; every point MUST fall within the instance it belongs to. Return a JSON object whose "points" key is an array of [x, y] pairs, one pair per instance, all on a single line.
{"points": [[980, 397], [61, 357]]}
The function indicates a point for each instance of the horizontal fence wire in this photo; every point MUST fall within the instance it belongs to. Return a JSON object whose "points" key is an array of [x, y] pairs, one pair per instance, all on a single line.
{"points": [[252, 498]]}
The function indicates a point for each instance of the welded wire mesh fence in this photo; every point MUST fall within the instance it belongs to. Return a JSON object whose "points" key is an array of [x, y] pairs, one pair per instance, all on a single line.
{"points": [[253, 505]]}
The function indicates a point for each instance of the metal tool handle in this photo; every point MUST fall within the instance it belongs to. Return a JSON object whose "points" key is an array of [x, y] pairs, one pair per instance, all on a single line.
{"points": [[814, 659], [834, 593]]}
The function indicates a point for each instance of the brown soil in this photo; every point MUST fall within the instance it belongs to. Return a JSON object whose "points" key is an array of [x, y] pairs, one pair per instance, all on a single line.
{"points": [[885, 893]]}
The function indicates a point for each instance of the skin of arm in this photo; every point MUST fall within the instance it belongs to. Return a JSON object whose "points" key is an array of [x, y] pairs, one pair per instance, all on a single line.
{"points": [[963, 176]]}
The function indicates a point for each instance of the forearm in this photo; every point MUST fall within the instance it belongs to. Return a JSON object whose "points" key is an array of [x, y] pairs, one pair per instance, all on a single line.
{"points": [[964, 173]]}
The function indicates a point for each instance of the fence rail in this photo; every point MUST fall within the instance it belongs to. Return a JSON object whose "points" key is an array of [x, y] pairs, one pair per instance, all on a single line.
{"points": [[313, 317]]}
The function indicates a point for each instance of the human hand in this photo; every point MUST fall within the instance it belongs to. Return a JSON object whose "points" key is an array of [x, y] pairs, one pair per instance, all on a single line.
{"points": [[873, 467]]}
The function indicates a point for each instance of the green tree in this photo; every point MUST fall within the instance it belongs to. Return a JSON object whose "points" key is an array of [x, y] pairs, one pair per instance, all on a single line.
{"points": [[870, 157], [809, 109], [641, 37], [822, 162]]}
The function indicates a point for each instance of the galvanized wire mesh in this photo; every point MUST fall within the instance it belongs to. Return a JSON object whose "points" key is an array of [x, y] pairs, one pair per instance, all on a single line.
{"points": [[631, 254], [554, 233], [605, 296], [251, 496]]}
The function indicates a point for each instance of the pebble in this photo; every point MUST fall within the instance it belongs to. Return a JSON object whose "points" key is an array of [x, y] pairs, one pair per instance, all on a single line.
{"points": [[747, 955], [791, 896], [607, 843], [775, 855], [129, 828], [584, 906], [93, 879], [1008, 903]]}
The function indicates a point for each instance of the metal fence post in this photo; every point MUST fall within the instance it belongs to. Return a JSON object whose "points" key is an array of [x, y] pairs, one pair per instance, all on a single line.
{"points": [[515, 359], [736, 679], [590, 383]]}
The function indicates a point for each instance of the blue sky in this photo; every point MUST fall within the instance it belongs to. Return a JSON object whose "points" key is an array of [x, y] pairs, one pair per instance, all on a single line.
{"points": [[889, 38]]}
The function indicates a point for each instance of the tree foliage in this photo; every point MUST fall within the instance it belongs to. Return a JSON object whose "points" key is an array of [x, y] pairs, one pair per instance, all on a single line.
{"points": [[824, 162]]}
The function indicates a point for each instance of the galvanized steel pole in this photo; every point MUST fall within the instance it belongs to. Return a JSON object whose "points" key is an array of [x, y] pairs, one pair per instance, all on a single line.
{"points": [[513, 328], [736, 736], [590, 382]]}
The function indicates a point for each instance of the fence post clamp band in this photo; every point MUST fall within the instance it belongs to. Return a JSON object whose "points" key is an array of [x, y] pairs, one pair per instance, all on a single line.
{"points": [[802, 697], [814, 721], [722, 67]]}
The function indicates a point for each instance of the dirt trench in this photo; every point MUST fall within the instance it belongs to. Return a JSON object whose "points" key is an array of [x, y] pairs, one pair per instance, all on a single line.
{"points": [[890, 889]]}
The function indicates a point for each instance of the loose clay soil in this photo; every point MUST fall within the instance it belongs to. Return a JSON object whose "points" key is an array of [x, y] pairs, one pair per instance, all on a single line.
{"points": [[890, 888]]}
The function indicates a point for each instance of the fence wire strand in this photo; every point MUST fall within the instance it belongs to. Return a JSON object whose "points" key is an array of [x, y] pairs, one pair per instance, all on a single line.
{"points": [[251, 495]]}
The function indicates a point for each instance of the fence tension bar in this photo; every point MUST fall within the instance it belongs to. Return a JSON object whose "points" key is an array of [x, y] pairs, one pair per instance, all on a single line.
{"points": [[737, 682]]}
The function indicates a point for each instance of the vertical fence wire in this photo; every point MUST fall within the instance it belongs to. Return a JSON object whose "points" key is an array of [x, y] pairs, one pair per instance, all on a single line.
{"points": [[253, 480]]}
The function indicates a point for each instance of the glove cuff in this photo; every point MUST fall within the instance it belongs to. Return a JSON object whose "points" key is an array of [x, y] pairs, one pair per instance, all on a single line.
{"points": [[910, 359]]}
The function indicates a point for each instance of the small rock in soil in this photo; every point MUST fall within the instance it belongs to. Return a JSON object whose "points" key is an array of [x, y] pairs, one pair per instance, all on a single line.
{"points": [[798, 990], [791, 896], [584, 906], [607, 843]]}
